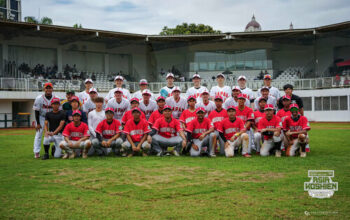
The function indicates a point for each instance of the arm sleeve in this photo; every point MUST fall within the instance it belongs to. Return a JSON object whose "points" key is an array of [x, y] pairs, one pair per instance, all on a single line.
{"points": [[222, 136], [189, 137], [153, 132], [99, 137], [37, 117]]}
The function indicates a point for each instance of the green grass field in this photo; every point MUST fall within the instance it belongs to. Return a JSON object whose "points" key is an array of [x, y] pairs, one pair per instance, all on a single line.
{"points": [[172, 188]]}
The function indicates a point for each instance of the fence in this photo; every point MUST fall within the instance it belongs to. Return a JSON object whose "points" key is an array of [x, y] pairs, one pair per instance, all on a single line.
{"points": [[20, 120]]}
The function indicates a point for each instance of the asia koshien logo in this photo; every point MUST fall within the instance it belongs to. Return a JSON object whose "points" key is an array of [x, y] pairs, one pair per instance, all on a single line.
{"points": [[321, 185]]}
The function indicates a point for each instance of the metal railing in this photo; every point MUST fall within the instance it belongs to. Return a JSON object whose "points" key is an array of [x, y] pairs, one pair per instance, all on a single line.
{"points": [[27, 84]]}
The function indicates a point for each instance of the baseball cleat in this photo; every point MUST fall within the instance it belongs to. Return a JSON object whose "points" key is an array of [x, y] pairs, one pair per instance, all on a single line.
{"points": [[302, 154], [278, 153], [246, 155], [212, 155], [46, 156], [130, 155], [37, 155], [257, 153], [65, 156], [176, 153], [144, 154], [72, 155], [160, 154]]}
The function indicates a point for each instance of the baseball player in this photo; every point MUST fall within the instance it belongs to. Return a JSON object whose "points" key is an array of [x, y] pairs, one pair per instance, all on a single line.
{"points": [[232, 132], [198, 134], [66, 103], [42, 105], [118, 80], [89, 105], [147, 105], [54, 123], [94, 118], [167, 90], [258, 115], [84, 95], [119, 104], [285, 111], [134, 103], [159, 113], [189, 114], [107, 135], [176, 102], [197, 89], [75, 103], [288, 89], [216, 117], [242, 81], [143, 85], [76, 136], [167, 132], [265, 92], [295, 130], [136, 131], [233, 100], [220, 90], [273, 90], [205, 103], [269, 128]]}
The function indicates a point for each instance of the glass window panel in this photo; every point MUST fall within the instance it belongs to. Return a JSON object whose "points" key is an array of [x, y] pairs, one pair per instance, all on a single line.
{"points": [[335, 103], [240, 65], [211, 65], [258, 64], [203, 66], [343, 103], [318, 103], [307, 103], [326, 103], [231, 65], [220, 66], [249, 65]]}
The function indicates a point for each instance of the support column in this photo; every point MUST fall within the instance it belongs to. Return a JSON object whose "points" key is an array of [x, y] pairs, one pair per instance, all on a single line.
{"points": [[106, 61], [59, 59]]}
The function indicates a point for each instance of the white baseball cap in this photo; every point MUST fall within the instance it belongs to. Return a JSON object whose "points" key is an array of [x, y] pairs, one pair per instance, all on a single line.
{"points": [[241, 77], [146, 91], [143, 82], [176, 88], [118, 90], [205, 91], [196, 76], [236, 88], [220, 74], [92, 90], [169, 75], [119, 77], [88, 80]]}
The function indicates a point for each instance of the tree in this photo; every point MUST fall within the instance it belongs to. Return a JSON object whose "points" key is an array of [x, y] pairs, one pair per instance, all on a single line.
{"points": [[31, 19], [192, 28], [77, 25], [44, 20]]}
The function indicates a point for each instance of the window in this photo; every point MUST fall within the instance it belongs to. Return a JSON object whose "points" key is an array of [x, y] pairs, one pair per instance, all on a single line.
{"points": [[318, 103], [330, 103], [307, 101], [343, 103]]}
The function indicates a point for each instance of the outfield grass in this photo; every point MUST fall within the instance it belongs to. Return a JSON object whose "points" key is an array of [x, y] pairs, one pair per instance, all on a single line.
{"points": [[169, 187]]}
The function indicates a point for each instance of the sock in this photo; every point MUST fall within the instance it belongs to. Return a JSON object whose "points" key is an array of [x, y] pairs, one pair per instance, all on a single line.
{"points": [[46, 147], [302, 147], [53, 149]]}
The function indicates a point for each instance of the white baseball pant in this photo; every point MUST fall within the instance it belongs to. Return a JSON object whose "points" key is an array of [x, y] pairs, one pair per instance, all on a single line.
{"points": [[83, 144], [57, 140], [207, 141], [221, 142], [302, 139], [242, 140], [38, 136], [269, 144]]}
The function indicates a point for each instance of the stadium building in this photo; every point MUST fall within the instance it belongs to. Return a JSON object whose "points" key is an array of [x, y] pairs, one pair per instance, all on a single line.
{"points": [[315, 60]]}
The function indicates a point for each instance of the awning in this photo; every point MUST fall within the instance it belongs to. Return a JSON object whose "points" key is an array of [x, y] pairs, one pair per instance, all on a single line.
{"points": [[343, 63]]}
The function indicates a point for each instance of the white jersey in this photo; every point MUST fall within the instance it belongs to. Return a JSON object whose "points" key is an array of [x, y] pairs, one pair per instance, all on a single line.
{"points": [[232, 102], [209, 107], [169, 91], [94, 119], [43, 105], [272, 91], [197, 92], [177, 106], [83, 97], [225, 92], [148, 109], [119, 108], [249, 92], [271, 100], [138, 94], [110, 95], [89, 106]]}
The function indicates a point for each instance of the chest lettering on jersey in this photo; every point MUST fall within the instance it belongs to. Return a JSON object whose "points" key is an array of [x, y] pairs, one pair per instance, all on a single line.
{"points": [[136, 132], [76, 134], [199, 130], [231, 130]]}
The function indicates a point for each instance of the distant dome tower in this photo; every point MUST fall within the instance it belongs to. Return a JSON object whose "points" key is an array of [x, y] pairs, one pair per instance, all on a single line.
{"points": [[253, 25], [291, 26]]}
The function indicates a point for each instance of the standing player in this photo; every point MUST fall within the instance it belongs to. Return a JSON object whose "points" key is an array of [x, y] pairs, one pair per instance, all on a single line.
{"points": [[94, 118], [205, 103], [119, 104], [273, 90], [54, 123], [265, 92], [167, 90], [134, 103], [288, 89], [147, 105], [84, 95], [66, 103], [220, 90], [42, 105], [143, 85], [159, 113], [89, 105], [189, 114], [232, 132], [176, 102], [197, 89], [233, 100], [167, 132], [216, 117], [75, 103], [76, 136], [136, 131], [269, 128], [118, 80], [107, 134], [295, 130], [242, 81], [285, 111], [198, 134]]}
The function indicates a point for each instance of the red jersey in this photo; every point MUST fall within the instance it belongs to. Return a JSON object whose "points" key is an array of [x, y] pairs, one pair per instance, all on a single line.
{"points": [[166, 129], [216, 117], [245, 114], [108, 130], [230, 128], [187, 116], [75, 133], [291, 125], [128, 115], [283, 114], [136, 131], [197, 129], [275, 122], [258, 115], [154, 116]]}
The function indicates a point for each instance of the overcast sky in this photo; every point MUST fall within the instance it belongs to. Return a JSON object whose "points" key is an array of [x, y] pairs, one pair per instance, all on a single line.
{"points": [[149, 16]]}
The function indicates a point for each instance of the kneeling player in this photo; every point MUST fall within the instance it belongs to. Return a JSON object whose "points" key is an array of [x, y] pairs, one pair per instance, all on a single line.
{"points": [[136, 130], [107, 134], [232, 132], [295, 130], [76, 136], [270, 128]]}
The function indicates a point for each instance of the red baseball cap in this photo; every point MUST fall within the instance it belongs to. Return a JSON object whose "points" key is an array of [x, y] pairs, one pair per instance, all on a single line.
{"points": [[286, 97], [231, 107], [167, 107], [160, 98], [269, 106], [75, 98], [76, 112], [219, 97], [294, 106], [109, 109], [200, 109], [136, 109], [268, 76], [242, 96], [48, 84], [134, 99], [55, 100], [191, 97]]}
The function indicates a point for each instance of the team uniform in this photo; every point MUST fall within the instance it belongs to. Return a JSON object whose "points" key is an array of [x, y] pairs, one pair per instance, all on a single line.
{"points": [[249, 93], [136, 132], [209, 107], [258, 115], [225, 92], [148, 109], [232, 102], [54, 120], [247, 114], [43, 105], [104, 132], [187, 116], [119, 107], [69, 117], [216, 118], [128, 116], [94, 118], [196, 92], [110, 95], [299, 124], [177, 106], [268, 140], [270, 100], [83, 97], [154, 117], [196, 129], [283, 114], [138, 94], [272, 91], [75, 134]]}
